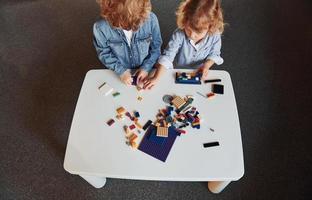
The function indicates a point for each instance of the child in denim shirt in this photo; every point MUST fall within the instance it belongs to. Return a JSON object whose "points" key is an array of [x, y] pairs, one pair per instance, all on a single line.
{"points": [[128, 37], [197, 41]]}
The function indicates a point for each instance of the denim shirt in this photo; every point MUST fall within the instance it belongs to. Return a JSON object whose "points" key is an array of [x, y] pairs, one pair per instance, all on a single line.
{"points": [[116, 54], [181, 53]]}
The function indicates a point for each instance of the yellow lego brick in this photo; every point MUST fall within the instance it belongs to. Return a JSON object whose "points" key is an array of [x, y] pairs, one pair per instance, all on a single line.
{"points": [[178, 102], [121, 110], [138, 125], [162, 131]]}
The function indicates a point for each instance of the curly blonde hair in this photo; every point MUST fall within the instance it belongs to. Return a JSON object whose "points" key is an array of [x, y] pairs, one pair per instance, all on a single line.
{"points": [[125, 14], [200, 15]]}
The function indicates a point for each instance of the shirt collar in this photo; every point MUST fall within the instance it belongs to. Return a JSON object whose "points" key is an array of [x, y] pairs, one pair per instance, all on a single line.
{"points": [[199, 44]]}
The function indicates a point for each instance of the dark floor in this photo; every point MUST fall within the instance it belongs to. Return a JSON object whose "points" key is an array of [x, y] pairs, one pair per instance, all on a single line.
{"points": [[46, 49]]}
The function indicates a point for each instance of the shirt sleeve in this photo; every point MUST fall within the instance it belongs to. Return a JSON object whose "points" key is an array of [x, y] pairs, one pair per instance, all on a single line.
{"points": [[104, 52], [168, 55], [215, 51], [154, 50]]}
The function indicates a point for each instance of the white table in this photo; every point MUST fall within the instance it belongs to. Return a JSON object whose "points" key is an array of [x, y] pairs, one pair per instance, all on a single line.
{"points": [[96, 151]]}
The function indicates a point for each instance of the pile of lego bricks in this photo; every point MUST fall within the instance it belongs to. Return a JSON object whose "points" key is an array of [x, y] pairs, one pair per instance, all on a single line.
{"points": [[185, 115], [131, 135], [170, 121]]}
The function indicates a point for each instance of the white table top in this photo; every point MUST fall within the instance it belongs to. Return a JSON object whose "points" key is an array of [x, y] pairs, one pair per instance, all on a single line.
{"points": [[94, 148]]}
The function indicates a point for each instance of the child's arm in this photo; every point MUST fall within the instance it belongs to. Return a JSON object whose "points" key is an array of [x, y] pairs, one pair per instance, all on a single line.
{"points": [[213, 57], [205, 68], [154, 50], [166, 59], [149, 83], [107, 57]]}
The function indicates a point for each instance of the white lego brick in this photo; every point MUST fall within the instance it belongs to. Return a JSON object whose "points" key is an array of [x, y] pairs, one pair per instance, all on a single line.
{"points": [[106, 89]]}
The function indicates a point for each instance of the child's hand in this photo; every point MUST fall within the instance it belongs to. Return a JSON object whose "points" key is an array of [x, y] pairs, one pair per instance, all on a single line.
{"points": [[204, 71], [126, 78], [149, 83], [141, 74]]}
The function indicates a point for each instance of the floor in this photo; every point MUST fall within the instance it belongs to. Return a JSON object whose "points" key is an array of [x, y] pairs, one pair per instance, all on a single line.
{"points": [[46, 49]]}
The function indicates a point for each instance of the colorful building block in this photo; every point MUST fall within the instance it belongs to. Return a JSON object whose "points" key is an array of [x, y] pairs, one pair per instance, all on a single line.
{"points": [[217, 88], [132, 127], [110, 122], [178, 102], [136, 114], [147, 124], [138, 125], [132, 137], [162, 131], [121, 110], [211, 95], [115, 94]]}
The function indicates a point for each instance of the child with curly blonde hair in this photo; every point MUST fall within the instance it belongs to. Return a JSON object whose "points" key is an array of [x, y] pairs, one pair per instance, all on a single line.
{"points": [[127, 37], [197, 41]]}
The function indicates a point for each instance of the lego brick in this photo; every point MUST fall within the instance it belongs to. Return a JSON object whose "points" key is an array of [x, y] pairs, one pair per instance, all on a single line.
{"points": [[132, 137], [217, 88], [138, 125], [169, 119], [136, 114], [147, 124], [132, 127], [134, 145], [212, 80], [159, 152], [210, 95], [178, 102], [134, 80], [188, 78], [130, 116], [106, 89], [162, 131], [121, 110], [167, 98], [181, 131], [120, 117], [211, 144], [127, 130], [154, 138], [115, 94], [110, 122]]}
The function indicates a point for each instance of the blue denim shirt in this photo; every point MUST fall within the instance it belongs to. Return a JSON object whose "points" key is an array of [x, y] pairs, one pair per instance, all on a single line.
{"points": [[115, 53], [181, 53]]}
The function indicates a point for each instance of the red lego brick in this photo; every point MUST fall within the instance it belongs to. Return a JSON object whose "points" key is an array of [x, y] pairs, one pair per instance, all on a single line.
{"points": [[132, 127]]}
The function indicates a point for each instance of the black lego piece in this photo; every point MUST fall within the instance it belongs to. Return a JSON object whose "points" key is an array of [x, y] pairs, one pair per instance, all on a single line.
{"points": [[211, 144], [217, 88]]}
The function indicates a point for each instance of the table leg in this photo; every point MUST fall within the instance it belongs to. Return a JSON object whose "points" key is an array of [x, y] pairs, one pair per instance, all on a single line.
{"points": [[95, 181], [217, 186]]}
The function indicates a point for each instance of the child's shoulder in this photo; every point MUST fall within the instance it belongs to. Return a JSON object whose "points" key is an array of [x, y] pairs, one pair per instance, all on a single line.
{"points": [[179, 33], [152, 17], [101, 23]]}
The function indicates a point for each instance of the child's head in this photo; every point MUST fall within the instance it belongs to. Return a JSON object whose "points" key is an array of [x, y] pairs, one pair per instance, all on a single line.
{"points": [[125, 14], [199, 17]]}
